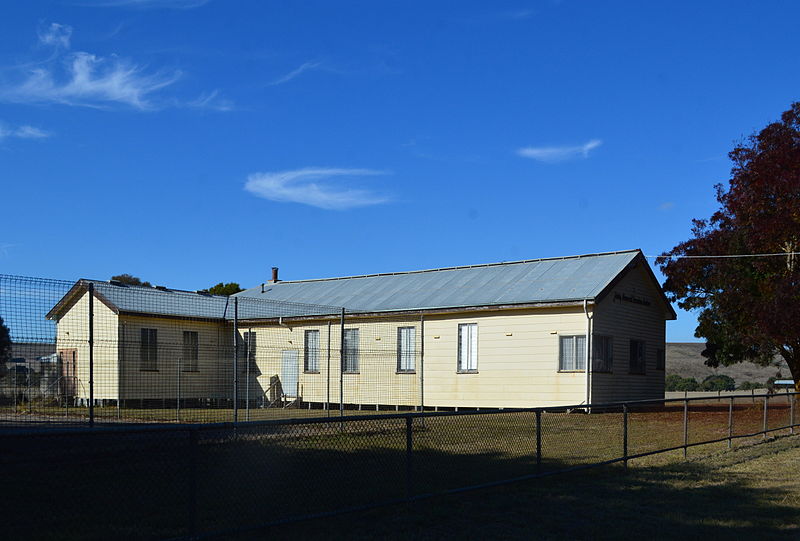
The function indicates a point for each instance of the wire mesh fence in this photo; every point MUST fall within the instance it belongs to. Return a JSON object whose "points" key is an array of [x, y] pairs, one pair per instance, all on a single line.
{"points": [[204, 480], [93, 351]]}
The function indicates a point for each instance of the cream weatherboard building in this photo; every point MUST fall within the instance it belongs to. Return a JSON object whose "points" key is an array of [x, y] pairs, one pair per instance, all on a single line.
{"points": [[499, 335]]}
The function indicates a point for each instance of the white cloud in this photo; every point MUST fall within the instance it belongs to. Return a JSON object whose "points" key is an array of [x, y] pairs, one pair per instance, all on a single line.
{"points": [[56, 35], [91, 81], [211, 100], [303, 186], [294, 73], [667, 205], [559, 154], [22, 132]]}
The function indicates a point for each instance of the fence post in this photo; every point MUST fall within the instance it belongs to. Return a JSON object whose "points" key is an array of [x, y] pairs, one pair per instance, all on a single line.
{"points": [[730, 424], [538, 440], [766, 400], [792, 400], [178, 398], [236, 359], [91, 354], [685, 427], [422, 364], [625, 435], [409, 456], [341, 366], [328, 378]]}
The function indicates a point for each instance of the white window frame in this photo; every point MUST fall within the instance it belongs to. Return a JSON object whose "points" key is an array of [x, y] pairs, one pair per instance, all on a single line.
{"points": [[578, 361], [311, 352], [467, 348], [406, 350], [351, 350]]}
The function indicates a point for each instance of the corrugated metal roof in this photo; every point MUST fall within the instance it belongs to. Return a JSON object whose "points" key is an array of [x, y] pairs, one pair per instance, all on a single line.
{"points": [[171, 302], [532, 281]]}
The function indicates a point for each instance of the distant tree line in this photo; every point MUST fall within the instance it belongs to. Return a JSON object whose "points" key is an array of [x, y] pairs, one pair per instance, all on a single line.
{"points": [[222, 288], [715, 382]]}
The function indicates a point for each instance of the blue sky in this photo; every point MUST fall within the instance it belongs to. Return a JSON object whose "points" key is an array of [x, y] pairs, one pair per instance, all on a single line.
{"points": [[191, 142]]}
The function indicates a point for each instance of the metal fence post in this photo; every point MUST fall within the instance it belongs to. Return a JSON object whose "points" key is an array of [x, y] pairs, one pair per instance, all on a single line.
{"points": [[538, 440], [248, 354], [766, 401], [792, 400], [625, 435], [685, 427], [328, 377], [236, 359], [422, 363], [91, 354], [409, 457], [730, 423], [341, 366], [178, 398]]}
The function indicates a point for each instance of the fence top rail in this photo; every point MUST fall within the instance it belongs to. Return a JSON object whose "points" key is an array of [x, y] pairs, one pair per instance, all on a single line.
{"points": [[72, 428]]}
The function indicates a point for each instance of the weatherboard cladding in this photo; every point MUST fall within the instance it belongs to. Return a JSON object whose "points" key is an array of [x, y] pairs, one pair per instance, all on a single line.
{"points": [[535, 281]]}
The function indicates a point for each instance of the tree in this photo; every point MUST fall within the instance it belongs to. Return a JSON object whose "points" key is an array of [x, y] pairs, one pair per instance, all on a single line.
{"points": [[131, 280], [5, 346], [748, 306], [718, 382], [224, 289], [675, 382]]}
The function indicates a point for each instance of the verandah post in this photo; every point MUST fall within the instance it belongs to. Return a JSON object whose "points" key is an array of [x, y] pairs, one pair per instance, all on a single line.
{"points": [[235, 359]]}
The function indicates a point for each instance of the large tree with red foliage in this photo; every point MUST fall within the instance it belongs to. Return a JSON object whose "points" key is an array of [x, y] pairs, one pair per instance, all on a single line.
{"points": [[749, 307]]}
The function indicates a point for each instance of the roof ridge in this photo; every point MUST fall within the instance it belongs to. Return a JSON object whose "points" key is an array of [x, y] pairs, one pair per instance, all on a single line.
{"points": [[476, 266], [149, 288]]}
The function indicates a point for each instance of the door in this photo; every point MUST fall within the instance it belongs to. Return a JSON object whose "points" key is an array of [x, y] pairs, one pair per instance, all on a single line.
{"points": [[290, 372], [69, 376]]}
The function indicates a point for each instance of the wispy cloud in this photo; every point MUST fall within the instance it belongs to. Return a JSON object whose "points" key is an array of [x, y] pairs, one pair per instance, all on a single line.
{"points": [[211, 100], [312, 186], [88, 80], [145, 4], [294, 73], [22, 132], [552, 154], [666, 205], [56, 35]]}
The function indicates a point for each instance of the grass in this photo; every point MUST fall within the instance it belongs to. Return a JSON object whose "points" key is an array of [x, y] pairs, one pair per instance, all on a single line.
{"points": [[101, 484]]}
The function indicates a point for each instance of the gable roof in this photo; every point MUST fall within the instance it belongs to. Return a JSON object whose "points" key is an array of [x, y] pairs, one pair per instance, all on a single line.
{"points": [[129, 299], [563, 279]]}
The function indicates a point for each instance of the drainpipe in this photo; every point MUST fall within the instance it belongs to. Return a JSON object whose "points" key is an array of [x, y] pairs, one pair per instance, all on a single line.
{"points": [[588, 342]]}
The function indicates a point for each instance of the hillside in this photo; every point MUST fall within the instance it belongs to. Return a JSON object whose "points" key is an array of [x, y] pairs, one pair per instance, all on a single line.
{"points": [[684, 359]]}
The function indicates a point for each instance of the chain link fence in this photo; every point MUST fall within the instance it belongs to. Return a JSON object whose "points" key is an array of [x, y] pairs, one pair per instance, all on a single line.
{"points": [[207, 480]]}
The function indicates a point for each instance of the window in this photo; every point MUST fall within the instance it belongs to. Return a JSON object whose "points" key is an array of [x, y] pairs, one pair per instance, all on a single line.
{"points": [[660, 360], [311, 355], [603, 355], [190, 347], [468, 347], [350, 361], [637, 357], [406, 337], [572, 353], [148, 352], [249, 347]]}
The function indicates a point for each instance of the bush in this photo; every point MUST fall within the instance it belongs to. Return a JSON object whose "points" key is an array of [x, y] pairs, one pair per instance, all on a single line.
{"points": [[748, 385], [718, 382], [676, 383]]}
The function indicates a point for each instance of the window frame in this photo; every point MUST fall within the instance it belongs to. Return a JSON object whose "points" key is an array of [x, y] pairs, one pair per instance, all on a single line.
{"points": [[191, 352], [641, 357], [350, 359], [307, 369], [577, 356], [148, 350], [608, 342], [459, 360], [401, 352]]}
